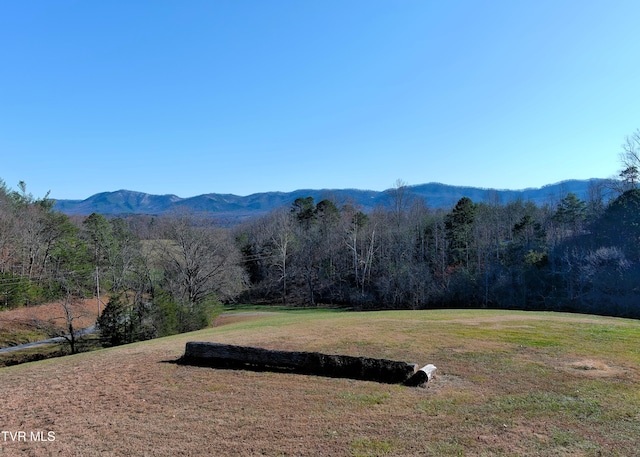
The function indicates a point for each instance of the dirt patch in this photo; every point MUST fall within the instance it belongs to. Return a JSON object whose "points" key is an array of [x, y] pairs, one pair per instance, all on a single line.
{"points": [[592, 368], [446, 382]]}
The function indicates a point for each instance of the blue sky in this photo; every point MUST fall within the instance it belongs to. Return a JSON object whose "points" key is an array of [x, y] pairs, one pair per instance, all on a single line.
{"points": [[240, 96]]}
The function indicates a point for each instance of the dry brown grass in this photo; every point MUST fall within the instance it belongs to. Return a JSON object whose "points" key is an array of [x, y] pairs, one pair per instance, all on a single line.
{"points": [[526, 388], [34, 317], [35, 323]]}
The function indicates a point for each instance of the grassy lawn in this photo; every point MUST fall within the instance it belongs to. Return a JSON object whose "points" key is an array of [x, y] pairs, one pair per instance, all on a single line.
{"points": [[508, 383]]}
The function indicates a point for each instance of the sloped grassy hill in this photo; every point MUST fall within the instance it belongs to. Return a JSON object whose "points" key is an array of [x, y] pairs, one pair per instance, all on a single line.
{"points": [[508, 383]]}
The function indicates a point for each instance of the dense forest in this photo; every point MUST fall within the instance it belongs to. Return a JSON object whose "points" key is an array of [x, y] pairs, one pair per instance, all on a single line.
{"points": [[168, 274], [573, 255]]}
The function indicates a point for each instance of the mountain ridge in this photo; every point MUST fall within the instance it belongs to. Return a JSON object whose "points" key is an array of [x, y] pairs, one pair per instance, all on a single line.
{"points": [[235, 208]]}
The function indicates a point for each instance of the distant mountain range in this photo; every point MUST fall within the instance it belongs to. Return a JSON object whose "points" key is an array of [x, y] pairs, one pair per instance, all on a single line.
{"points": [[234, 208]]}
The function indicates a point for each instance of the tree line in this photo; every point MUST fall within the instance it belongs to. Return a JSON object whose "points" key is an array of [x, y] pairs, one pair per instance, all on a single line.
{"points": [[170, 274], [157, 276], [572, 255]]}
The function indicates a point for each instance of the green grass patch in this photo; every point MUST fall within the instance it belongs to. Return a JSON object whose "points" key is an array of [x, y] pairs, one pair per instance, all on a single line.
{"points": [[529, 340], [249, 307], [450, 446], [545, 404], [20, 336], [367, 447]]}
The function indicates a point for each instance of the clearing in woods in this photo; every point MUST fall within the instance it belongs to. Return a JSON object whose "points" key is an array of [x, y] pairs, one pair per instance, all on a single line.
{"points": [[508, 383], [33, 323]]}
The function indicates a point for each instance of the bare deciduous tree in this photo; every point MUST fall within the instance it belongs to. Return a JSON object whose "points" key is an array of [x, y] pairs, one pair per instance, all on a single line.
{"points": [[630, 160], [200, 261]]}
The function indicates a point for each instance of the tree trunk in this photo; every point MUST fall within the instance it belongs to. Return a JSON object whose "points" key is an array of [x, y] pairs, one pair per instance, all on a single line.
{"points": [[311, 363], [422, 376]]}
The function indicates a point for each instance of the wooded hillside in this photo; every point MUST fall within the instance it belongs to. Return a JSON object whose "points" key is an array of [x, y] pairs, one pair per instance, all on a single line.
{"points": [[577, 255], [167, 274]]}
